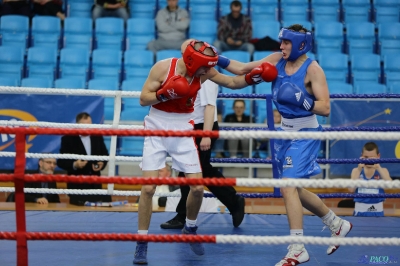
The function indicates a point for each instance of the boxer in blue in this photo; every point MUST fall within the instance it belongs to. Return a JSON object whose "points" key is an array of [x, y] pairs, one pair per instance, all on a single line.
{"points": [[300, 92]]}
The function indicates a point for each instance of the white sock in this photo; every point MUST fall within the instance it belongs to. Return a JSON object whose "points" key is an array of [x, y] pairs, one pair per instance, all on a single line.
{"points": [[143, 232], [329, 218], [190, 223], [296, 232]]}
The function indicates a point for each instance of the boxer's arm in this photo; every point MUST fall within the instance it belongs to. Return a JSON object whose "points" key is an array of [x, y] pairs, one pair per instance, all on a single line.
{"points": [[240, 68], [235, 82], [153, 82], [320, 90]]}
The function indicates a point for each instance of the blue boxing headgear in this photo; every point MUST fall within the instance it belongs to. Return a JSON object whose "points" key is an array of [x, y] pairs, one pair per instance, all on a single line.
{"points": [[301, 42]]}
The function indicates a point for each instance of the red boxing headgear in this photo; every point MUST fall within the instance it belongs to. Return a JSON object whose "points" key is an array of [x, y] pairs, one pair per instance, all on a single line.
{"points": [[194, 59]]}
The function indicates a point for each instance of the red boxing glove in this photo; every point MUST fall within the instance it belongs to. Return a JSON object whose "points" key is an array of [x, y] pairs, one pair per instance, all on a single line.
{"points": [[265, 72], [174, 88], [254, 77], [269, 73]]}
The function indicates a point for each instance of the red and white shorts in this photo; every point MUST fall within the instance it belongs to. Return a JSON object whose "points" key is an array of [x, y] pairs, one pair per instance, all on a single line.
{"points": [[185, 157]]}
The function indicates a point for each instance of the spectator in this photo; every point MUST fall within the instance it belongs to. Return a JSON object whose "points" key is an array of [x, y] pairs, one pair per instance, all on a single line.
{"points": [[46, 166], [110, 8], [84, 145], [235, 31], [369, 206], [172, 23], [48, 8], [16, 7], [236, 146]]}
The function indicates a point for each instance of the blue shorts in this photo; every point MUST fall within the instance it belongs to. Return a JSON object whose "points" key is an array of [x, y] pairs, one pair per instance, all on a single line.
{"points": [[297, 157]]}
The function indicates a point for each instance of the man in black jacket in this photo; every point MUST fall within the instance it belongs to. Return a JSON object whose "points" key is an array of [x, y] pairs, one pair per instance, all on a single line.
{"points": [[84, 145], [46, 166]]}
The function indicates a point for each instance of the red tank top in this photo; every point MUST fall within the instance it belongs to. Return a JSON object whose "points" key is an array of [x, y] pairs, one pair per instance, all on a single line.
{"points": [[182, 105]]}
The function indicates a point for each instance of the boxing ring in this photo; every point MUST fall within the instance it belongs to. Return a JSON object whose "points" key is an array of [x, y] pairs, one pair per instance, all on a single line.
{"points": [[61, 237]]}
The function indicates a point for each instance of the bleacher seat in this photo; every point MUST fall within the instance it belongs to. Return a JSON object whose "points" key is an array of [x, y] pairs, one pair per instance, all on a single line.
{"points": [[79, 8], [133, 111], [37, 82], [260, 112], [12, 62], [394, 88], [14, 31], [336, 87], [69, 83], [264, 10], [106, 63], [325, 11], [369, 88], [391, 69], [389, 38], [74, 63], [240, 56], [7, 81], [365, 68], [258, 55], [206, 11], [109, 33], [360, 38], [356, 11], [263, 28], [142, 10], [107, 142], [108, 108], [328, 37], [132, 146], [140, 31], [262, 88], [133, 84], [386, 11], [78, 33], [137, 64], [335, 66], [109, 84], [164, 54], [312, 56], [46, 31], [205, 30], [41, 62], [294, 10]]}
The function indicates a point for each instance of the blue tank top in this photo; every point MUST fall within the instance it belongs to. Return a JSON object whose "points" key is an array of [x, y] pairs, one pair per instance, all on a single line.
{"points": [[376, 176], [290, 111]]}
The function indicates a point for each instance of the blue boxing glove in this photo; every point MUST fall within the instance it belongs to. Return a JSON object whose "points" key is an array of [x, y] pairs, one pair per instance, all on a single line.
{"points": [[290, 93]]}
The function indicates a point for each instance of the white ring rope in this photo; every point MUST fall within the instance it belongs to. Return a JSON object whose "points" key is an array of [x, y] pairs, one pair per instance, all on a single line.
{"points": [[89, 192], [65, 125], [276, 240], [76, 157], [81, 92], [314, 183], [227, 134]]}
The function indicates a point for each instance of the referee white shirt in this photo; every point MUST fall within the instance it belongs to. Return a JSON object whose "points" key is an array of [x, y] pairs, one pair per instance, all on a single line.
{"points": [[207, 95]]}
